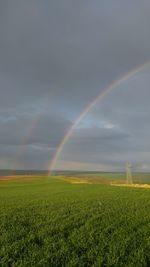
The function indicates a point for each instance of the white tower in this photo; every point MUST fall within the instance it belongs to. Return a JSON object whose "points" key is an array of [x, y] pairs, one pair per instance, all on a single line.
{"points": [[129, 173]]}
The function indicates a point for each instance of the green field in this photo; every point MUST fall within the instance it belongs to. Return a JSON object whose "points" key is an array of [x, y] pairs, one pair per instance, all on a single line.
{"points": [[50, 222], [107, 178]]}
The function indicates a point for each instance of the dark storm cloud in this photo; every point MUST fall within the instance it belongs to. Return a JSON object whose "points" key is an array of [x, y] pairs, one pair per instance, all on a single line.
{"points": [[27, 139], [120, 127], [60, 55], [31, 129], [94, 144], [60, 47]]}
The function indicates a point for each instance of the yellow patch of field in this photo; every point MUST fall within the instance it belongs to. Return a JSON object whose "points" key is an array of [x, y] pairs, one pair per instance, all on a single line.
{"points": [[74, 180], [133, 185]]}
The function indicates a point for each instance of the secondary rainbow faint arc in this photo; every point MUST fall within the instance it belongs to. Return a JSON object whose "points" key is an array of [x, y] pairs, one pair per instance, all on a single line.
{"points": [[105, 92]]}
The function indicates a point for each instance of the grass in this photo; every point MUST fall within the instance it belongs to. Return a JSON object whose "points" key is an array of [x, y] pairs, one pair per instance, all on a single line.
{"points": [[50, 222]]}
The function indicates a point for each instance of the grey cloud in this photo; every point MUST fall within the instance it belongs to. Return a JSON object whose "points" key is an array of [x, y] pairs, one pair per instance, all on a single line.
{"points": [[126, 113], [56, 56], [29, 141], [23, 129], [95, 145], [62, 47]]}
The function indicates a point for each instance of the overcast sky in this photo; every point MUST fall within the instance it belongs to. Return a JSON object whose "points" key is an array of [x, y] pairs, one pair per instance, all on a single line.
{"points": [[55, 57]]}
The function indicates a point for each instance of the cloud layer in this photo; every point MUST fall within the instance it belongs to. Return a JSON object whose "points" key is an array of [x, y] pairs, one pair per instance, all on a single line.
{"points": [[56, 56]]}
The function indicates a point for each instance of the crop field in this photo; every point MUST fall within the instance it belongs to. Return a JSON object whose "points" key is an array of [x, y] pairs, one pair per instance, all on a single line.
{"points": [[107, 178], [50, 222]]}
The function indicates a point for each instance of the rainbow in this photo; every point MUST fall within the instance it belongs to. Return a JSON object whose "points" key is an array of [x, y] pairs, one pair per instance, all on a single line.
{"points": [[27, 136], [105, 92]]}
